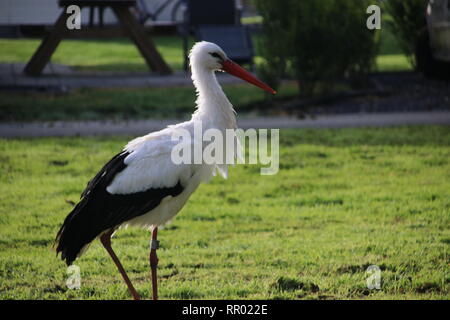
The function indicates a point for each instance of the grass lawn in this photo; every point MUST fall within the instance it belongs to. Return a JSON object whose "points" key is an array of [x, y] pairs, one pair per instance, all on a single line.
{"points": [[130, 103], [390, 56], [393, 62], [344, 199], [99, 55], [122, 55], [95, 104]]}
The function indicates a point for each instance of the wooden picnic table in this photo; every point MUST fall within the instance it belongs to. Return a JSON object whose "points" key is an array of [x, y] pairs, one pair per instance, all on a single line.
{"points": [[131, 26]]}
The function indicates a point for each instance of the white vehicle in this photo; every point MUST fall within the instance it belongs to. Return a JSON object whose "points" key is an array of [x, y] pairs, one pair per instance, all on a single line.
{"points": [[433, 48]]}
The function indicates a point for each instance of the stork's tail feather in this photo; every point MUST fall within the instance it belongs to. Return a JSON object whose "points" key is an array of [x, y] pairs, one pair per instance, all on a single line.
{"points": [[72, 237]]}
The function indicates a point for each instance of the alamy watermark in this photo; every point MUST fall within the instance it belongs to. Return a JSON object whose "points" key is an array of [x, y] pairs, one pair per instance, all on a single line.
{"points": [[227, 147], [374, 279], [374, 20], [74, 20], [74, 279]]}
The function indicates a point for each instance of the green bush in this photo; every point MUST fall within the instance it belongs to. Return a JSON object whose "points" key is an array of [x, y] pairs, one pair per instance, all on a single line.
{"points": [[317, 42], [407, 20]]}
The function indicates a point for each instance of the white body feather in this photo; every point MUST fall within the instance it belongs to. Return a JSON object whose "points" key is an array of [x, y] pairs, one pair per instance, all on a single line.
{"points": [[150, 166]]}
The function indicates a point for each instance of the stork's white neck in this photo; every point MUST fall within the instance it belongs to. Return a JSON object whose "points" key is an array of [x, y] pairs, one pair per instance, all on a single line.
{"points": [[212, 104]]}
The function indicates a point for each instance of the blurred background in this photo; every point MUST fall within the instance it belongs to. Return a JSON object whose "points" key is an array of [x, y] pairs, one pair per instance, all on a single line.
{"points": [[319, 55]]}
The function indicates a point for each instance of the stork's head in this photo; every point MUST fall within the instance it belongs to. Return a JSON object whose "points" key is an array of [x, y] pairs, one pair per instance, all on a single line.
{"points": [[210, 56]]}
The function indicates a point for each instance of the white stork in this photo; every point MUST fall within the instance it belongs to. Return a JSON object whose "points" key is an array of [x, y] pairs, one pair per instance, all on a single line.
{"points": [[141, 186]]}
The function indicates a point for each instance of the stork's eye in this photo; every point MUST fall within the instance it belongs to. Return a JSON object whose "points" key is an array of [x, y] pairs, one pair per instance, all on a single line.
{"points": [[216, 55]]}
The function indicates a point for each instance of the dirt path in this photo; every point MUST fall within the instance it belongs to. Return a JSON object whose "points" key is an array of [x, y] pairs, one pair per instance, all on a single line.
{"points": [[139, 127]]}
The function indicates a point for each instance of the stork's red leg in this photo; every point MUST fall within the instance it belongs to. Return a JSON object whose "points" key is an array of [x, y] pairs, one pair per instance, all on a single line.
{"points": [[154, 244], [106, 241]]}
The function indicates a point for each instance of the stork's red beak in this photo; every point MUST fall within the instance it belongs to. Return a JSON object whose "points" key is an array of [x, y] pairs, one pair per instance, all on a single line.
{"points": [[237, 71]]}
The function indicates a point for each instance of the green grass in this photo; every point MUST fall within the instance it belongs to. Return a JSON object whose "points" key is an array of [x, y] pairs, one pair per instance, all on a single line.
{"points": [[343, 199], [95, 55], [390, 56], [393, 62], [96, 104], [130, 103], [122, 55]]}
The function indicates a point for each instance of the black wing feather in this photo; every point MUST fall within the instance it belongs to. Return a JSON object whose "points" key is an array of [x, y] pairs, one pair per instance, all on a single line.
{"points": [[99, 210]]}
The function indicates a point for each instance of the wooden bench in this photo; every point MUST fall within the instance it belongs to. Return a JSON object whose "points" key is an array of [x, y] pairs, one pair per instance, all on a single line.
{"points": [[131, 26]]}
